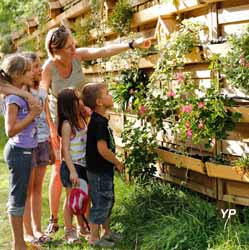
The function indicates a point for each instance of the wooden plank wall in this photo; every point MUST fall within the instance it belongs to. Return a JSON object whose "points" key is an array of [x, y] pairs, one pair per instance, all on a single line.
{"points": [[222, 17]]}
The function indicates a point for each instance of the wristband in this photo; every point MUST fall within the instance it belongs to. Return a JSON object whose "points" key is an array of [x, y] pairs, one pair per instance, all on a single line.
{"points": [[131, 44]]}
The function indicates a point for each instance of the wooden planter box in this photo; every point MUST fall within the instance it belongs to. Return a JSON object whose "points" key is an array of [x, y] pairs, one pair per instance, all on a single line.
{"points": [[195, 181], [233, 192], [225, 172], [181, 160], [54, 8]]}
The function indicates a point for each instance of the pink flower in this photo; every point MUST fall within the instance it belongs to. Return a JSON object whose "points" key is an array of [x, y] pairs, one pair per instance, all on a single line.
{"points": [[142, 109], [200, 105], [179, 77], [187, 108], [187, 124], [201, 124], [189, 133], [171, 93]]}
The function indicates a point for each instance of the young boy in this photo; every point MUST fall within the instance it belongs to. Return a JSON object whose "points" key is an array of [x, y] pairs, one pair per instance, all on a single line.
{"points": [[101, 160]]}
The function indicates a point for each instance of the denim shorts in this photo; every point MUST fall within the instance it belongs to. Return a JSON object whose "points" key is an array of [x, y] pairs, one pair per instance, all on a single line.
{"points": [[65, 174], [42, 155], [102, 195], [19, 161]]}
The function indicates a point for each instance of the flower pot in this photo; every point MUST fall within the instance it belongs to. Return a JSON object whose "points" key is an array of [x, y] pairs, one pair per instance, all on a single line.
{"points": [[225, 172], [181, 160]]}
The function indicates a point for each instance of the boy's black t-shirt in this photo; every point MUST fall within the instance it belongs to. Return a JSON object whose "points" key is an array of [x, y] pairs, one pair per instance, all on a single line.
{"points": [[98, 130]]}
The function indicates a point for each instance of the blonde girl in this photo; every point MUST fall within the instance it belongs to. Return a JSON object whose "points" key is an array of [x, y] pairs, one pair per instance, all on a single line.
{"points": [[21, 130], [41, 158]]}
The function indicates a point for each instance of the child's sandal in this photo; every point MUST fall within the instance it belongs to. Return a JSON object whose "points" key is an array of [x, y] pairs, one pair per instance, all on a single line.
{"points": [[71, 236], [52, 226]]}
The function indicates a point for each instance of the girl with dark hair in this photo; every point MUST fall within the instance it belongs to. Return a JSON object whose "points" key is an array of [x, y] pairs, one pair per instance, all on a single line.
{"points": [[72, 129]]}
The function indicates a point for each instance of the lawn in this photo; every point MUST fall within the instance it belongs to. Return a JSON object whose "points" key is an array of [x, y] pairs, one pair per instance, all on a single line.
{"points": [[153, 217]]}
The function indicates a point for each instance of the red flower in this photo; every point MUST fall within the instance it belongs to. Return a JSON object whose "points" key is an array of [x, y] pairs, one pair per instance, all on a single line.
{"points": [[142, 109]]}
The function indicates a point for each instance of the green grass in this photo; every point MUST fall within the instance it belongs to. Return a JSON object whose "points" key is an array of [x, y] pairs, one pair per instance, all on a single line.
{"points": [[156, 217]]}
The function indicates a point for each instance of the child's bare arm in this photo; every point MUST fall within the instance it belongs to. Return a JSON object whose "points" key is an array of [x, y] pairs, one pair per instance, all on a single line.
{"points": [[65, 139], [14, 126], [108, 155], [8, 89]]}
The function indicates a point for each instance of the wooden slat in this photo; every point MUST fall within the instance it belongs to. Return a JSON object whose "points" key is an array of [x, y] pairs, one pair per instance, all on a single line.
{"points": [[181, 160], [192, 180], [76, 10], [236, 199], [233, 14], [237, 189], [236, 148], [225, 172], [240, 133], [147, 62], [229, 29], [243, 110]]}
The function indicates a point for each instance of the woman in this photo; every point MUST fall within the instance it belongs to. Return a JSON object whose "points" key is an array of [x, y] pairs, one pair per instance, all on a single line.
{"points": [[63, 70]]}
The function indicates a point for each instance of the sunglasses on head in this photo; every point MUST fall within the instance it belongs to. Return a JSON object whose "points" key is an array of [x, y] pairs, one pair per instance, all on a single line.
{"points": [[60, 29]]}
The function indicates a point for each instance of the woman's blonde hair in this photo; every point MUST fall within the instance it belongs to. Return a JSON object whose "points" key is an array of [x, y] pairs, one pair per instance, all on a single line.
{"points": [[14, 65], [56, 39]]}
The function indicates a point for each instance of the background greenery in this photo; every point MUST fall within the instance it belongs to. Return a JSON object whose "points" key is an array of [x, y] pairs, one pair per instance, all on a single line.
{"points": [[153, 217]]}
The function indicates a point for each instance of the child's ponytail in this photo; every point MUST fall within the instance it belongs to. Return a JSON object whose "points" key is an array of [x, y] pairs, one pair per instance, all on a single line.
{"points": [[4, 77]]}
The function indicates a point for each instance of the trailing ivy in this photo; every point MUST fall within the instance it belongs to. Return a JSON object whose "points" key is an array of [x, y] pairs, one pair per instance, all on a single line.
{"points": [[130, 88], [120, 18]]}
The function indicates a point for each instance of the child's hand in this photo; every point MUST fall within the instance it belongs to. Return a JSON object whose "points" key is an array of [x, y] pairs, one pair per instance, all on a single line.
{"points": [[74, 178], [31, 99], [35, 109], [120, 167]]}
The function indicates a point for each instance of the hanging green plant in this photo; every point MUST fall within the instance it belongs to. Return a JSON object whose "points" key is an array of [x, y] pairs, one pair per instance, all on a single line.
{"points": [[181, 43], [130, 88], [236, 62], [120, 18], [141, 157]]}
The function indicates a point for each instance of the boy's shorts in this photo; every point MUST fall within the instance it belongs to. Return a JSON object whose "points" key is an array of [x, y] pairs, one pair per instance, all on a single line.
{"points": [[19, 161], [102, 196], [42, 154], [65, 174]]}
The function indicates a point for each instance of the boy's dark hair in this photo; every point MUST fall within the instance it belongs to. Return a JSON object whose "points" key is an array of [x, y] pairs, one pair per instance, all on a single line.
{"points": [[90, 93], [67, 106]]}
